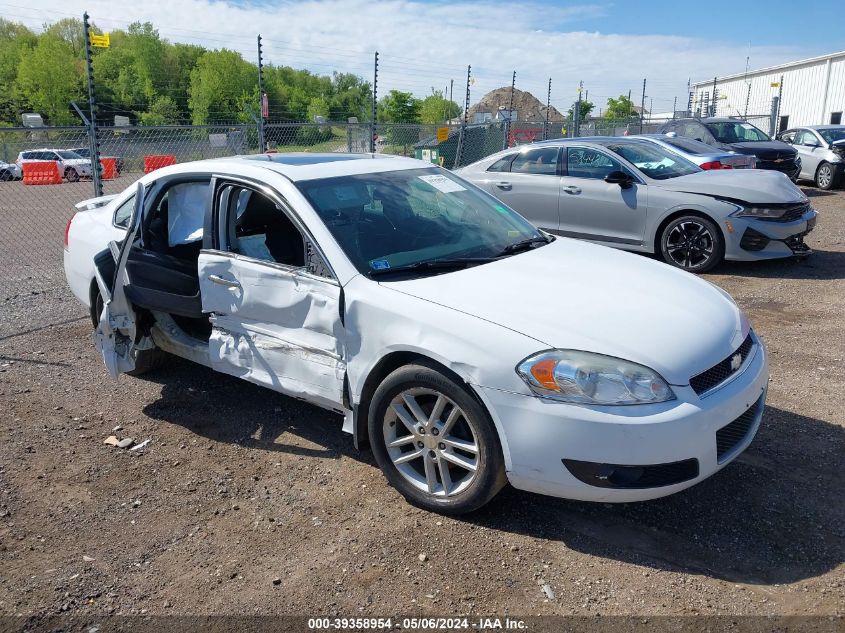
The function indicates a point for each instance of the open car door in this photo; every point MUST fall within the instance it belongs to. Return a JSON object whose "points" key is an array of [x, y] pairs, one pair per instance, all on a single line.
{"points": [[115, 336], [275, 322]]}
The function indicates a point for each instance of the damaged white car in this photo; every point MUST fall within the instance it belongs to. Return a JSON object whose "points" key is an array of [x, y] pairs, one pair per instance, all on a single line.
{"points": [[463, 345]]}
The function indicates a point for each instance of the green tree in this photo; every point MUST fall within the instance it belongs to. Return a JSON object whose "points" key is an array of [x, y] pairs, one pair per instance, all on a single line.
{"points": [[586, 108], [163, 111], [49, 79], [319, 106], [398, 107], [620, 108], [435, 108], [351, 96], [72, 32], [221, 83], [15, 41]]}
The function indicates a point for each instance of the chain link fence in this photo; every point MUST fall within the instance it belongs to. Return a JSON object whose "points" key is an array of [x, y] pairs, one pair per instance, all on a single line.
{"points": [[33, 217]]}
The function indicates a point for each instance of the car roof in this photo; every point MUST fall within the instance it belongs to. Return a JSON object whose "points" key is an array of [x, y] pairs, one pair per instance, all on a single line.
{"points": [[300, 166], [822, 127], [597, 140]]}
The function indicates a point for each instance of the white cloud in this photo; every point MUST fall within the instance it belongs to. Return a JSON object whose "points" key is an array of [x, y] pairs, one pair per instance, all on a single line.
{"points": [[425, 44]]}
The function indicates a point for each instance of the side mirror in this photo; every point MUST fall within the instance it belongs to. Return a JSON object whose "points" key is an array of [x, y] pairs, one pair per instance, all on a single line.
{"points": [[619, 178]]}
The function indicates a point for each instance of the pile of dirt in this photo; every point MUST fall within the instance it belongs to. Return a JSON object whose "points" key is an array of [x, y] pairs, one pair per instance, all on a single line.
{"points": [[527, 106]]}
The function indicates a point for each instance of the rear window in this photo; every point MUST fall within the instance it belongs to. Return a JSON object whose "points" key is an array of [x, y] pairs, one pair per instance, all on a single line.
{"points": [[688, 145]]}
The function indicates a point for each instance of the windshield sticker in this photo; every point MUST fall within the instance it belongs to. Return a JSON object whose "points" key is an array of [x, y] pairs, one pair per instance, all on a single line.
{"points": [[441, 183], [502, 209], [747, 126], [379, 264]]}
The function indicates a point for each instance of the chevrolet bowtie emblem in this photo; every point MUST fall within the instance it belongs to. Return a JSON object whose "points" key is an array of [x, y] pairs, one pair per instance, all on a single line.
{"points": [[736, 361], [779, 160]]}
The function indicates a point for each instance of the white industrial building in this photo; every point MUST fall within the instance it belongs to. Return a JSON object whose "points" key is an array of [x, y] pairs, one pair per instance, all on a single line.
{"points": [[811, 91]]}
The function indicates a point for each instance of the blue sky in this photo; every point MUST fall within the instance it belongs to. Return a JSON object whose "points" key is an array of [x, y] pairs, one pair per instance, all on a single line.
{"points": [[423, 44]]}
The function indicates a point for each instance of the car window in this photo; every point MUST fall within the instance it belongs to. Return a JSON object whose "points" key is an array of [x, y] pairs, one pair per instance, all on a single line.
{"points": [[503, 164], [833, 135], [688, 145], [398, 218], [123, 213], [536, 161], [654, 161], [736, 132], [694, 131], [586, 162], [258, 228], [806, 137], [788, 137]]}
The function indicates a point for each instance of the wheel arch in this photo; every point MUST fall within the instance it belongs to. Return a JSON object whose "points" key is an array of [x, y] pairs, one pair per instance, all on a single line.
{"points": [[673, 215], [383, 368], [93, 293]]}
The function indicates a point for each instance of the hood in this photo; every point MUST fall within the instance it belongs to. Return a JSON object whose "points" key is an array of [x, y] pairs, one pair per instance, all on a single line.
{"points": [[576, 295], [84, 162], [748, 185], [767, 150]]}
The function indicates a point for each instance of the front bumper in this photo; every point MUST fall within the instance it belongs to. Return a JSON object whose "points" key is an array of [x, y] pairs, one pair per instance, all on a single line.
{"points": [[546, 443], [790, 167], [753, 238]]}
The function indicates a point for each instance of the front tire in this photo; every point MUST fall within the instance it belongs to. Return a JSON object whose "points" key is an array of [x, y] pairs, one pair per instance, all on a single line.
{"points": [[71, 175], [434, 441], [826, 177], [692, 243]]}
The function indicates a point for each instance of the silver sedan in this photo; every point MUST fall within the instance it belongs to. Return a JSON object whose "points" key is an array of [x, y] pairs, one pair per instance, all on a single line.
{"points": [[632, 194], [704, 155], [822, 152]]}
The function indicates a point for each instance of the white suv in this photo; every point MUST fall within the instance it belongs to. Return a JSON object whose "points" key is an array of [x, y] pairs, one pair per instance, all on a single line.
{"points": [[71, 165]]}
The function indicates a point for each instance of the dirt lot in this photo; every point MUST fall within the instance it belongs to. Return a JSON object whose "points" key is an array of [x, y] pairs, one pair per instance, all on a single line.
{"points": [[247, 502]]}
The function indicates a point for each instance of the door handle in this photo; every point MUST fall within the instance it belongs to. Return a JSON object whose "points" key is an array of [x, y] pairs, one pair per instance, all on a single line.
{"points": [[220, 281], [572, 189], [504, 185]]}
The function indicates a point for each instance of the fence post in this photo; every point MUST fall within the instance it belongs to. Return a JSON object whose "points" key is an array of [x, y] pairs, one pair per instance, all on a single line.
{"points": [[642, 108], [93, 145], [262, 97], [460, 149], [375, 108], [548, 107], [510, 113]]}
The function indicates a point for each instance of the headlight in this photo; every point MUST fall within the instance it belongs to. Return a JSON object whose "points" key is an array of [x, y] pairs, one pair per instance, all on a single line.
{"points": [[757, 212], [586, 378]]}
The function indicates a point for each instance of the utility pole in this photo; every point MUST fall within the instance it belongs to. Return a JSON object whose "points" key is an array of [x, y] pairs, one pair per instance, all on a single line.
{"points": [[460, 150], [93, 143], [375, 102], [630, 103], [510, 113], [642, 108], [262, 145], [674, 107], [548, 107]]}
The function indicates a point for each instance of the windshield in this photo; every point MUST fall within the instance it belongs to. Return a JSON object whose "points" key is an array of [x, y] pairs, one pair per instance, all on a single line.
{"points": [[68, 154], [399, 218], [736, 132], [689, 145], [654, 161], [833, 135]]}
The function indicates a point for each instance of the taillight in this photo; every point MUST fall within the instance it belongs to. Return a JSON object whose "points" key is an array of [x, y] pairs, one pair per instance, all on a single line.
{"points": [[67, 230], [715, 164]]}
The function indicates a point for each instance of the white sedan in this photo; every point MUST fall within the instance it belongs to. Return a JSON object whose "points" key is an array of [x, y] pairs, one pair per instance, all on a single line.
{"points": [[466, 347]]}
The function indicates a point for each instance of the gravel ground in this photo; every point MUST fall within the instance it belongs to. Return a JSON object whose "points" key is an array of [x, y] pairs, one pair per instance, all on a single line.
{"points": [[247, 502]]}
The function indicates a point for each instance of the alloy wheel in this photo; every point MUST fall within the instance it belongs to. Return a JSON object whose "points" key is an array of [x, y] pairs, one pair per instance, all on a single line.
{"points": [[690, 244], [431, 442], [824, 177]]}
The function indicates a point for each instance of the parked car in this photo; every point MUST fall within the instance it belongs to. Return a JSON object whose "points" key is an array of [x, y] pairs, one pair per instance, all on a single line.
{"points": [[633, 194], [467, 348], [71, 166], [822, 152], [9, 171], [739, 136], [703, 155], [85, 152]]}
